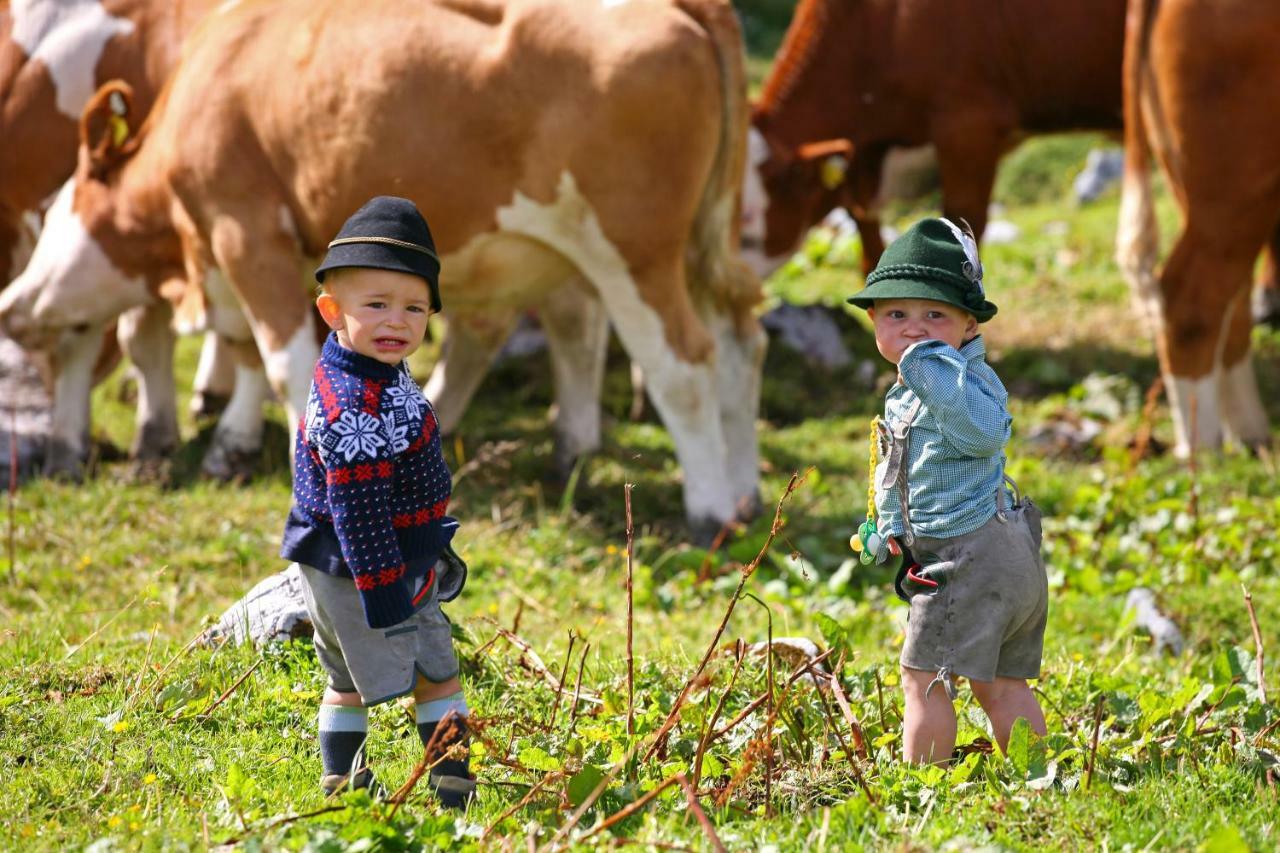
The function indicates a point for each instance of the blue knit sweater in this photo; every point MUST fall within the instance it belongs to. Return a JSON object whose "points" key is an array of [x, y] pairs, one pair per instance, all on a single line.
{"points": [[370, 485]]}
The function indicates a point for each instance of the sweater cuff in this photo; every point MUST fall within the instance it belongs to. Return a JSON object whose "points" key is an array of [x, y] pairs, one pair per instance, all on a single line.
{"points": [[385, 606]]}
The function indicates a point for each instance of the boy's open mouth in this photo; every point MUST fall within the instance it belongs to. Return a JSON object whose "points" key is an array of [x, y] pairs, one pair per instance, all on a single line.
{"points": [[390, 343]]}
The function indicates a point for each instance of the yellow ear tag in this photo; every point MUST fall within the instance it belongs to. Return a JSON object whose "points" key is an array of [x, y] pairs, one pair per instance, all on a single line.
{"points": [[833, 171], [119, 130]]}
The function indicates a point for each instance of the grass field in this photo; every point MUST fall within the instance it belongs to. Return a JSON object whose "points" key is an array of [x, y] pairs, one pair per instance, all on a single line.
{"points": [[112, 735], [117, 733]]}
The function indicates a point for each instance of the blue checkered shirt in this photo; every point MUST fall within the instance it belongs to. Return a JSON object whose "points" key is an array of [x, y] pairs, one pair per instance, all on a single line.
{"points": [[957, 441]]}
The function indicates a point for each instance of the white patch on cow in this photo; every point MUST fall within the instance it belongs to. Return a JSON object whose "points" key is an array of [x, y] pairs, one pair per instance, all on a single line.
{"points": [[69, 280], [215, 371], [68, 37], [75, 355], [755, 208], [684, 393], [225, 315], [240, 425], [287, 224], [1246, 418], [1196, 416], [290, 369], [739, 359]]}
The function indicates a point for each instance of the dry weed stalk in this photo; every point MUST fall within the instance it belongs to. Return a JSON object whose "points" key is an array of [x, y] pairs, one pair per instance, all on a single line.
{"points": [[1257, 645], [739, 653], [692, 797], [1093, 747], [232, 689], [577, 688], [13, 487], [631, 659], [1142, 439], [432, 755], [747, 571], [564, 672]]}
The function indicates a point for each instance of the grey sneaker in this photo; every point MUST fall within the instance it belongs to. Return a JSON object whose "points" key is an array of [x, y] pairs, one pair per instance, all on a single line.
{"points": [[454, 792], [335, 783]]}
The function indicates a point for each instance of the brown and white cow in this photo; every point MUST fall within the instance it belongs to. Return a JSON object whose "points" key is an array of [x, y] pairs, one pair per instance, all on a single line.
{"points": [[553, 146], [1200, 81], [53, 56], [855, 79]]}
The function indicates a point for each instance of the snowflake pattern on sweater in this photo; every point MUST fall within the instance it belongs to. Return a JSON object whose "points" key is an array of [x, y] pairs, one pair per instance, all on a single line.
{"points": [[369, 472]]}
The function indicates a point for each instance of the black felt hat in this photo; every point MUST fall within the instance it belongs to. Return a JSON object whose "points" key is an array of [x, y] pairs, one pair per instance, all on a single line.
{"points": [[387, 233]]}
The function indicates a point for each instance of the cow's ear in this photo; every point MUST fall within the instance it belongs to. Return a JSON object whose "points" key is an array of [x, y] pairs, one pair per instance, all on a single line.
{"points": [[827, 161], [106, 136]]}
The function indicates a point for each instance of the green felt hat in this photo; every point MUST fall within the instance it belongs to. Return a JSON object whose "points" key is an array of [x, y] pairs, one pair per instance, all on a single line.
{"points": [[934, 259]]}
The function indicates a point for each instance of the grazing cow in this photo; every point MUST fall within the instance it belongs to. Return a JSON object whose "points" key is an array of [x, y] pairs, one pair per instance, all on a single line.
{"points": [[53, 56], [856, 78], [1200, 83], [553, 147]]}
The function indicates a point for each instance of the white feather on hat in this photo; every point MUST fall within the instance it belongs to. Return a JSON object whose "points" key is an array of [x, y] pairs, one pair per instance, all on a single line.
{"points": [[973, 266]]}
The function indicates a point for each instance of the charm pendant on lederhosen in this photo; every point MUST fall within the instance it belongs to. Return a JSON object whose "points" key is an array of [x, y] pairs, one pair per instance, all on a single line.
{"points": [[892, 450]]}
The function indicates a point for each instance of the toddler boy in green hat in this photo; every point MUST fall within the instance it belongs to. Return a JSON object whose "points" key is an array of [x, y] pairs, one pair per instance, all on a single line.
{"points": [[976, 582]]}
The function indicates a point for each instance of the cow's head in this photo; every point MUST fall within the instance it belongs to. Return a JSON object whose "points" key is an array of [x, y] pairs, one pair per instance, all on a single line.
{"points": [[88, 265], [785, 192]]}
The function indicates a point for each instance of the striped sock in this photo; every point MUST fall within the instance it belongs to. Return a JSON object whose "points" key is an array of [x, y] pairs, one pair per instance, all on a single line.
{"points": [[429, 715], [342, 735]]}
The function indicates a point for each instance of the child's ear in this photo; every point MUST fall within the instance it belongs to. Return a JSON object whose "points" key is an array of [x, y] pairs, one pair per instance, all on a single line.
{"points": [[330, 310], [971, 328]]}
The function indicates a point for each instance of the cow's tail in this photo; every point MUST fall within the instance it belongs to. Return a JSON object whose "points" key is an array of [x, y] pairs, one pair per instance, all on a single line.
{"points": [[1137, 233], [713, 262]]}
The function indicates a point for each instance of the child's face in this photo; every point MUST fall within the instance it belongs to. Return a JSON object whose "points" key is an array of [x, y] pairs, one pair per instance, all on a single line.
{"points": [[379, 313], [899, 323]]}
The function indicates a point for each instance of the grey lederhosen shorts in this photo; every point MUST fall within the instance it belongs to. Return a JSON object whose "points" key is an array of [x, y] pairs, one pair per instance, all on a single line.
{"points": [[987, 616], [379, 664]]}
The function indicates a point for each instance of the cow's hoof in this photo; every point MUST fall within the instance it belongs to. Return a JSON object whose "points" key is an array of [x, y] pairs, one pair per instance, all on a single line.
{"points": [[64, 462], [208, 404], [749, 507], [229, 464], [704, 531], [155, 469], [154, 441]]}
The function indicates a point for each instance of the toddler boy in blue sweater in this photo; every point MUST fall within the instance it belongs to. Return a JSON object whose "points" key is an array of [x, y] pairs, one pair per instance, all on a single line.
{"points": [[368, 527], [978, 594]]}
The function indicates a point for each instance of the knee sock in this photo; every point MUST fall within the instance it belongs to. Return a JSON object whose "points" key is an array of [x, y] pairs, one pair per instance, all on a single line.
{"points": [[342, 734], [429, 715]]}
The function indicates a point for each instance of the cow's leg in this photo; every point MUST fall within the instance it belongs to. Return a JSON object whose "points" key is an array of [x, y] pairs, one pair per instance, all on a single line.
{"points": [[678, 357], [215, 376], [146, 336], [74, 358], [257, 249], [740, 350], [577, 331], [237, 438], [969, 149], [1204, 286], [1244, 417], [470, 345]]}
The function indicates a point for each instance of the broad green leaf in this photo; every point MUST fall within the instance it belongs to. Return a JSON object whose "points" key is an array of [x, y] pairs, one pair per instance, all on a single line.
{"points": [[582, 783]]}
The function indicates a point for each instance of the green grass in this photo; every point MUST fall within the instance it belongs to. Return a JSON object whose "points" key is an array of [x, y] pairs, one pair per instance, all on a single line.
{"points": [[112, 736]]}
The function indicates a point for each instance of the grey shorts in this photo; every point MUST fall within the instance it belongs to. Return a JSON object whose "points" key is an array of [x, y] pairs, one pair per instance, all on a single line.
{"points": [[379, 664], [987, 616]]}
